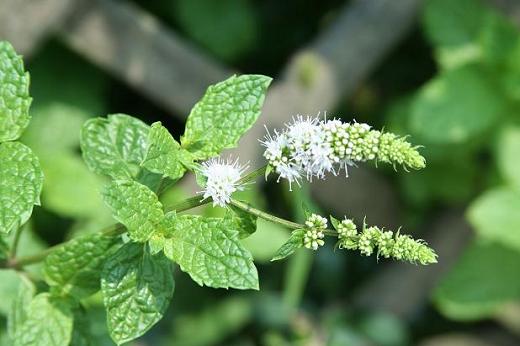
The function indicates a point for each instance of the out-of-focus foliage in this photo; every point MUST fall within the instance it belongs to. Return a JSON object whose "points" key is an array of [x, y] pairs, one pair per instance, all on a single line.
{"points": [[454, 84], [468, 108]]}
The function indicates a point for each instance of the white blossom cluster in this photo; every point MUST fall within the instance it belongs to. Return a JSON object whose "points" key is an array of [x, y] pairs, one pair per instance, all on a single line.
{"points": [[222, 179], [310, 148], [313, 237]]}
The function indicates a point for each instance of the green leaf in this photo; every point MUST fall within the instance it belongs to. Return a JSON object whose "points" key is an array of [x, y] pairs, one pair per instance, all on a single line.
{"points": [[264, 243], [61, 189], [235, 19], [81, 335], [135, 206], [4, 248], [494, 215], [14, 94], [507, 155], [453, 23], [456, 106], [214, 323], [114, 146], [137, 288], [165, 156], [485, 278], [245, 222], [21, 182], [224, 114], [295, 242], [10, 283], [511, 79], [48, 322], [498, 38], [20, 305], [209, 250], [74, 268]]}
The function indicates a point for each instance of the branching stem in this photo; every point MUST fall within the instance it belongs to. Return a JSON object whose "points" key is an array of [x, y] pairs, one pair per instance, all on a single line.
{"points": [[187, 204]]}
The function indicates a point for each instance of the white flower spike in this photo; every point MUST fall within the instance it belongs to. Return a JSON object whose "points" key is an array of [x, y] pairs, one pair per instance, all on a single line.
{"points": [[312, 148], [223, 179]]}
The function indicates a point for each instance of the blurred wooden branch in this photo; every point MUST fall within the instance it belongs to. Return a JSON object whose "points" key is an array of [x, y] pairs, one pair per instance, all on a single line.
{"points": [[25, 23], [136, 48], [335, 63], [510, 8]]}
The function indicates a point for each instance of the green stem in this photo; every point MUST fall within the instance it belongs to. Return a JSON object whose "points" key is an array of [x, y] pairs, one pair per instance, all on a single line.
{"points": [[263, 215], [250, 177], [112, 230], [19, 263], [16, 241], [190, 203]]}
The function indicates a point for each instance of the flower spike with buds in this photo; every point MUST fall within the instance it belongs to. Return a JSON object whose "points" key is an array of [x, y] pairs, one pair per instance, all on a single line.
{"points": [[312, 148], [387, 243], [222, 179]]}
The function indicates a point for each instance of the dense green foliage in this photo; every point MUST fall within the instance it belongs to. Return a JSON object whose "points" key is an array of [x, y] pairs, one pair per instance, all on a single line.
{"points": [[447, 101]]}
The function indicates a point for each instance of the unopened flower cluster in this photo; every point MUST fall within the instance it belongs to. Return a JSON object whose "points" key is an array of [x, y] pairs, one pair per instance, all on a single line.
{"points": [[314, 234], [385, 243], [311, 148]]}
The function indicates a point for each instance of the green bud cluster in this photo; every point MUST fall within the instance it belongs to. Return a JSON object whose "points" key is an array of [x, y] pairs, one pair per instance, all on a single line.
{"points": [[356, 142], [314, 232], [385, 243]]}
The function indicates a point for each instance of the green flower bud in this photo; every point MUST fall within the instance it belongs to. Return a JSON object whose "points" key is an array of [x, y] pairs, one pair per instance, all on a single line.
{"points": [[386, 244]]}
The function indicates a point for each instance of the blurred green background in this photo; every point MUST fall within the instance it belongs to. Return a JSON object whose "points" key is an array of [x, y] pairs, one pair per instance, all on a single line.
{"points": [[445, 72]]}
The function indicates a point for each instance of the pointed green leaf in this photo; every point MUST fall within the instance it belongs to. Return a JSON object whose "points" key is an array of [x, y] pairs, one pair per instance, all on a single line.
{"points": [[225, 112], [481, 282], [21, 182], [114, 146], [135, 206], [66, 178], [295, 242], [4, 248], [48, 322], [456, 106], [137, 288], [245, 222], [209, 250], [494, 215], [214, 323], [20, 306], [264, 243], [507, 155], [14, 94], [165, 156], [74, 268], [81, 334]]}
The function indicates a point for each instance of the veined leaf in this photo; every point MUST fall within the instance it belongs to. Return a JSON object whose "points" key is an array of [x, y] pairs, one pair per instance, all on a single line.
{"points": [[74, 268], [225, 112], [246, 223], [21, 182], [137, 288], [295, 242], [135, 206], [165, 156], [20, 305], [14, 94], [48, 322], [114, 146], [209, 250]]}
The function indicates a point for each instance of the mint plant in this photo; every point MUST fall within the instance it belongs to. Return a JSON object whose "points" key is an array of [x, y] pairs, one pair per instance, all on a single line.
{"points": [[131, 262]]}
